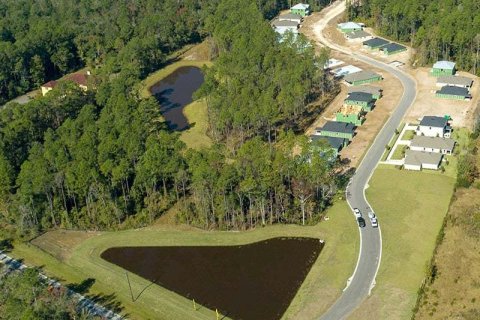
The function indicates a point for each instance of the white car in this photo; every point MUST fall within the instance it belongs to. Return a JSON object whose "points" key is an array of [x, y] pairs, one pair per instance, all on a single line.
{"points": [[374, 222], [371, 215], [357, 213]]}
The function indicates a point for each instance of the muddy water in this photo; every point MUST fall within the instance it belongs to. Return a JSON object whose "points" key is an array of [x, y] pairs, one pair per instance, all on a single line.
{"points": [[254, 281], [175, 92]]}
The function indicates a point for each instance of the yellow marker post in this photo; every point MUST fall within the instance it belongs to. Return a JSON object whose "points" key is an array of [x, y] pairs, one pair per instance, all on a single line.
{"points": [[218, 314], [194, 305]]}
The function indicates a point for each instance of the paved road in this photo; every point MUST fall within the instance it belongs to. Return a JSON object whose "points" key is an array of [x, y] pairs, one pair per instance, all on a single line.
{"points": [[363, 279], [89, 307]]}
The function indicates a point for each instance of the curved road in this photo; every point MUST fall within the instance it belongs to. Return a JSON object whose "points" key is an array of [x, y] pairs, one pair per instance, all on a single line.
{"points": [[363, 278]]}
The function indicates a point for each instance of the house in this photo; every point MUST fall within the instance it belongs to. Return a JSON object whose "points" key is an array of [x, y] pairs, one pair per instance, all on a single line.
{"points": [[337, 130], [375, 43], [432, 144], [392, 48], [80, 79], [343, 71], [332, 63], [290, 17], [358, 35], [284, 26], [443, 68], [376, 92], [362, 77], [432, 126], [335, 143], [362, 99], [351, 114], [454, 81], [349, 27], [301, 9], [418, 160], [453, 93]]}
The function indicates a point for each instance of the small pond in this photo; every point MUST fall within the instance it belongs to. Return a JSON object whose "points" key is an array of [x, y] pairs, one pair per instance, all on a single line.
{"points": [[174, 92], [253, 281]]}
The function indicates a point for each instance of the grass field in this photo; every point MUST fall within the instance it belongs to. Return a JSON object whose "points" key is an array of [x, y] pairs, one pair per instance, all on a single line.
{"points": [[80, 260], [399, 152], [410, 207]]}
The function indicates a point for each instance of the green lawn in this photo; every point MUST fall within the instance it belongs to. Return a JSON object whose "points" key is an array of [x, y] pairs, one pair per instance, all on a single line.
{"points": [[408, 135], [322, 286], [399, 152], [410, 207]]}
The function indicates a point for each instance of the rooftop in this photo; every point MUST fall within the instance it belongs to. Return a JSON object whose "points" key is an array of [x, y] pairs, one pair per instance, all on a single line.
{"points": [[334, 142], [392, 47], [288, 16], [284, 23], [444, 65], [357, 34], [346, 70], [455, 80], [349, 25], [80, 79], [454, 91], [375, 42], [301, 6], [361, 75], [432, 142], [332, 63], [360, 96], [433, 121], [334, 126], [367, 89], [419, 157]]}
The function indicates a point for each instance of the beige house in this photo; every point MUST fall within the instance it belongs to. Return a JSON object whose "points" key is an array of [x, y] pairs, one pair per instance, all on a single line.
{"points": [[81, 79]]}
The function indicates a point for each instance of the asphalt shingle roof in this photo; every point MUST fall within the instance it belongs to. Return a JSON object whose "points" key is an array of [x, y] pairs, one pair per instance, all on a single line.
{"points": [[290, 16], [375, 42], [444, 65], [366, 89], [360, 96], [392, 47], [432, 142], [455, 80], [284, 23], [416, 158], [357, 34], [334, 142], [335, 126], [359, 76], [454, 91], [433, 121]]}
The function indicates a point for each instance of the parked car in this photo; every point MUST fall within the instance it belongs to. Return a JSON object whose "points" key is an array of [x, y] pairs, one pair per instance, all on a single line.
{"points": [[357, 213], [361, 222], [371, 215], [374, 222]]}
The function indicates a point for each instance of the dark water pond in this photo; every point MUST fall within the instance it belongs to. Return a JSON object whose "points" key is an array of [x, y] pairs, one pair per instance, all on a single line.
{"points": [[175, 92], [253, 281]]}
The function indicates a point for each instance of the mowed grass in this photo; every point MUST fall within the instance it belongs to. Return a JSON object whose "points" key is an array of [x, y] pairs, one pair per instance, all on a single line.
{"points": [[410, 207], [408, 135], [322, 286], [399, 152]]}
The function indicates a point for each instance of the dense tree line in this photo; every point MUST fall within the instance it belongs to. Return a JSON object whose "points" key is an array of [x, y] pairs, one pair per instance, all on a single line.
{"points": [[24, 296], [440, 29]]}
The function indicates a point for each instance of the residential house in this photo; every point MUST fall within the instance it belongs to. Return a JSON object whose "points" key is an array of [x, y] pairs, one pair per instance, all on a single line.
{"points": [[375, 43], [351, 114], [80, 79], [432, 144], [290, 17], [392, 48], [358, 35], [284, 26], [454, 81], [349, 27], [418, 160], [362, 77], [432, 126], [343, 71], [332, 63], [453, 93], [376, 92], [337, 130], [443, 68], [362, 99], [301, 9], [335, 143]]}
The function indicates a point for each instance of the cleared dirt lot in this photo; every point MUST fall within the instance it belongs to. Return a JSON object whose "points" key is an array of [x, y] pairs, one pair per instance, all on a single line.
{"points": [[392, 91]]}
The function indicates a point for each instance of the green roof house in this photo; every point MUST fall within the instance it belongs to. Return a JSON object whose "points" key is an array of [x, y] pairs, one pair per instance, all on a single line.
{"points": [[392, 48], [453, 93], [301, 9], [337, 130], [361, 99], [443, 68], [351, 114], [349, 27], [375, 43], [362, 77]]}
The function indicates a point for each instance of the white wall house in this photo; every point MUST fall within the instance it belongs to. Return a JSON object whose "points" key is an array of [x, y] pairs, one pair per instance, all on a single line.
{"points": [[432, 126], [432, 144]]}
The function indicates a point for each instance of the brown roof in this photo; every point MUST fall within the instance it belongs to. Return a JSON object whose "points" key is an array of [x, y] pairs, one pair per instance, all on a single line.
{"points": [[78, 78], [50, 84]]}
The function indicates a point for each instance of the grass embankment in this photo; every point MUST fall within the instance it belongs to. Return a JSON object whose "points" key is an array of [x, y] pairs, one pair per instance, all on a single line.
{"points": [[196, 113], [81, 260], [389, 146], [453, 289], [411, 207]]}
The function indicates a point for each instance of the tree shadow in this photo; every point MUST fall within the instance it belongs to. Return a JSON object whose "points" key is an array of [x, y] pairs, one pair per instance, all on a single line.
{"points": [[6, 245], [108, 301], [81, 287]]}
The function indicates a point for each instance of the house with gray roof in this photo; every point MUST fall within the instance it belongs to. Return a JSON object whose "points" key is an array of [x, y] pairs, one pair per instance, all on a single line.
{"points": [[358, 35], [362, 99], [392, 48], [443, 68], [337, 129], [376, 92], [455, 81], [432, 144], [349, 26], [418, 160], [362, 77], [335, 143], [453, 93], [290, 17], [284, 26], [375, 43], [433, 126]]}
